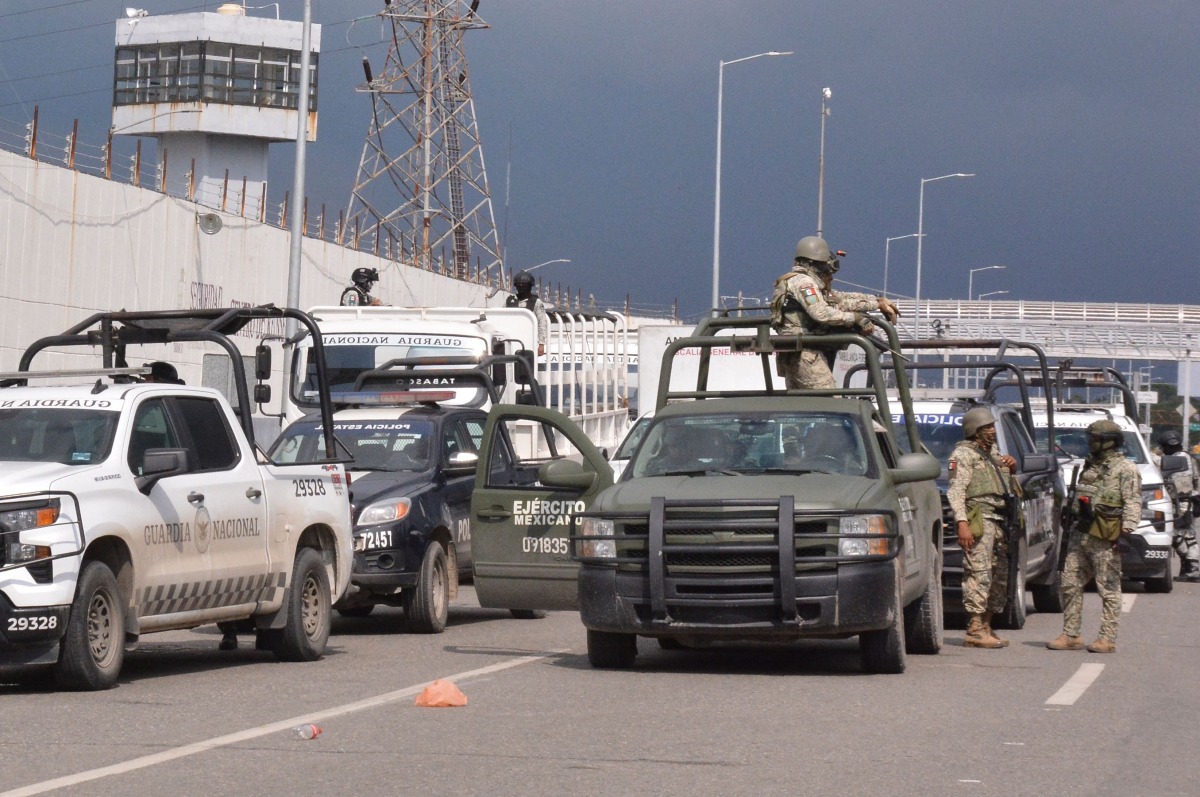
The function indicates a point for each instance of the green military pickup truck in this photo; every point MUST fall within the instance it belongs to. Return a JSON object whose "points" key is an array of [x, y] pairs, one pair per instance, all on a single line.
{"points": [[726, 491]]}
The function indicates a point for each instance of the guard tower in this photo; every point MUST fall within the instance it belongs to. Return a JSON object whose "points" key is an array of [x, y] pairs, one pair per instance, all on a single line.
{"points": [[215, 89], [421, 188]]}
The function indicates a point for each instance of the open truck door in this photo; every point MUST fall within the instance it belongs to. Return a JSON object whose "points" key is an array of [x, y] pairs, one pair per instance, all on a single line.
{"points": [[523, 506]]}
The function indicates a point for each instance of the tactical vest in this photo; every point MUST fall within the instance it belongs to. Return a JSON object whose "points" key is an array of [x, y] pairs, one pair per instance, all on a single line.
{"points": [[1108, 506], [787, 311], [355, 297], [985, 481]]}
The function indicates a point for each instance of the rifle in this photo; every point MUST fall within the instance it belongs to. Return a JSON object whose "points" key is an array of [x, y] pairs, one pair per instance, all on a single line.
{"points": [[1070, 509]]}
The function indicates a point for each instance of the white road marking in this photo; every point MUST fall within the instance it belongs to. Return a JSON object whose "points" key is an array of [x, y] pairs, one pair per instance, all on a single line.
{"points": [[1127, 603], [1072, 690], [254, 733]]}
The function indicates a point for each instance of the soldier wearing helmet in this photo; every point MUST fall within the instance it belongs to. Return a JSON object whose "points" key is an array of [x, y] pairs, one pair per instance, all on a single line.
{"points": [[1109, 505], [359, 294], [804, 303], [525, 297], [1184, 488], [980, 483]]}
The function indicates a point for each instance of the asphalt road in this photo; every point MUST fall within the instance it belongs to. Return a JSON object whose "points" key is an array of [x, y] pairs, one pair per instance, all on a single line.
{"points": [[188, 719]]}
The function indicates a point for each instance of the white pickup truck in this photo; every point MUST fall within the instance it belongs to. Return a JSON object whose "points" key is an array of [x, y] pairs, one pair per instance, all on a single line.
{"points": [[131, 507]]}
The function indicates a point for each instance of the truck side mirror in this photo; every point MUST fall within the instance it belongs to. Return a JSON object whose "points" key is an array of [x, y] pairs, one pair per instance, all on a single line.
{"points": [[262, 362], [1038, 462], [461, 463], [1172, 464], [566, 474], [158, 463], [917, 467], [522, 375], [262, 394]]}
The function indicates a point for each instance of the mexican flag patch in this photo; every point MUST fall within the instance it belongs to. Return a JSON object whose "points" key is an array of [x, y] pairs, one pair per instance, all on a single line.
{"points": [[809, 294]]}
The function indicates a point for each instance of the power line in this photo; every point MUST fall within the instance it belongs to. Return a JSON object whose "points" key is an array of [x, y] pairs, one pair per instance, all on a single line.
{"points": [[42, 8]]}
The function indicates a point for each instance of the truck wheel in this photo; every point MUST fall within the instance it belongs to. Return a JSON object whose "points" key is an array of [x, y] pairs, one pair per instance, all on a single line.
{"points": [[1164, 583], [309, 611], [528, 614], [883, 651], [1048, 597], [93, 647], [357, 611], [427, 604], [923, 618], [1014, 611], [608, 651]]}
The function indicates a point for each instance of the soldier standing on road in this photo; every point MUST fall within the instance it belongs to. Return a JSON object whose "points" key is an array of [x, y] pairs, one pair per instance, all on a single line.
{"points": [[1109, 504], [1183, 487], [980, 480], [359, 294], [525, 297], [803, 303]]}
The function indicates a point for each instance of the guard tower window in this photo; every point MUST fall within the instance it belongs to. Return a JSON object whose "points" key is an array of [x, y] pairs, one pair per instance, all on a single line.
{"points": [[264, 77]]}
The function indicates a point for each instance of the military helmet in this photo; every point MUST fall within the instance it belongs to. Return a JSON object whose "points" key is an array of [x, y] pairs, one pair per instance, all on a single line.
{"points": [[1171, 439], [364, 276], [1106, 431], [814, 249], [975, 419], [523, 280]]}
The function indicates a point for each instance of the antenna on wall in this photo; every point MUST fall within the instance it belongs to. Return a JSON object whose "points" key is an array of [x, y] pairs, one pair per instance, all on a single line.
{"points": [[421, 184]]}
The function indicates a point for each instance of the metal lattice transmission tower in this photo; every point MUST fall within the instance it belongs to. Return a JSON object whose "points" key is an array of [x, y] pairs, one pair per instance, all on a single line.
{"points": [[422, 186]]}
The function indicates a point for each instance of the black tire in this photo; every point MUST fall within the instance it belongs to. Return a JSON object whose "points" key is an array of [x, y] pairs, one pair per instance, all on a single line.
{"points": [[309, 612], [608, 651], [93, 648], [357, 611], [883, 651], [1048, 597], [427, 605], [1015, 612], [528, 614], [1164, 583], [923, 628]]}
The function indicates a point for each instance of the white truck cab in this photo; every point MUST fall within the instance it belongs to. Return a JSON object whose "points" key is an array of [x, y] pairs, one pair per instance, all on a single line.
{"points": [[131, 507]]}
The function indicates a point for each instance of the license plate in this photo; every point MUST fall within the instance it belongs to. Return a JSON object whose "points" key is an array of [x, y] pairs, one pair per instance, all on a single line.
{"points": [[373, 540]]}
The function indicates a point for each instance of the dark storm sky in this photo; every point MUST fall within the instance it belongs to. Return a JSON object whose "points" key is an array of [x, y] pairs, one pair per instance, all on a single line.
{"points": [[1080, 120]]}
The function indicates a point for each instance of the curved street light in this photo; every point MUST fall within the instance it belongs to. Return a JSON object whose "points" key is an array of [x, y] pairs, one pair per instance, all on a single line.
{"points": [[548, 262], [920, 240], [990, 293], [716, 267], [886, 252], [971, 277]]}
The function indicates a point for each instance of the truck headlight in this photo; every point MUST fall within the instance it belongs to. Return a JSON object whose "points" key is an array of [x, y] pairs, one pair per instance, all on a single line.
{"points": [[385, 511], [861, 535], [1153, 493], [597, 549], [28, 517]]}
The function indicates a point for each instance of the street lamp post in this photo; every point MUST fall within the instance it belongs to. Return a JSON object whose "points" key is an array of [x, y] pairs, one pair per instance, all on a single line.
{"points": [[990, 293], [971, 277], [826, 95], [920, 240], [886, 251], [548, 262], [716, 268]]}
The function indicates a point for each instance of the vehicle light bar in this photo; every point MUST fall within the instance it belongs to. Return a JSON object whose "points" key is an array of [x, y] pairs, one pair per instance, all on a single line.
{"points": [[388, 398]]}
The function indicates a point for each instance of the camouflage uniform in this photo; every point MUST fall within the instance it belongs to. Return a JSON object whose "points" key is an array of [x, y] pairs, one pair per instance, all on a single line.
{"points": [[1110, 480], [1183, 487], [810, 308], [533, 303], [978, 479]]}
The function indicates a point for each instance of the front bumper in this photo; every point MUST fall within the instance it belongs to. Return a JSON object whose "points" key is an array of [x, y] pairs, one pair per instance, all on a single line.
{"points": [[1145, 555], [30, 635]]}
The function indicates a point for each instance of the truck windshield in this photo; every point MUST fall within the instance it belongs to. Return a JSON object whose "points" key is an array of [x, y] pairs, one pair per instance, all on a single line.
{"points": [[939, 432], [1073, 443], [347, 356], [374, 444], [66, 436], [734, 444]]}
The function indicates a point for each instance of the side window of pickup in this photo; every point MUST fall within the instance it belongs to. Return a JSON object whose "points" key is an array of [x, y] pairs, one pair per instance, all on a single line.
{"points": [[212, 445], [151, 429], [1017, 437]]}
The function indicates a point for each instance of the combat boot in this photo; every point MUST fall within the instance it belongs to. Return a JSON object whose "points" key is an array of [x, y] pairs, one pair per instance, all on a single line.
{"points": [[978, 635], [987, 626], [1102, 645], [1064, 642], [1189, 570]]}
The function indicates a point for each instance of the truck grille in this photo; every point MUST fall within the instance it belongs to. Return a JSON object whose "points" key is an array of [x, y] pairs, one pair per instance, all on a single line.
{"points": [[716, 535]]}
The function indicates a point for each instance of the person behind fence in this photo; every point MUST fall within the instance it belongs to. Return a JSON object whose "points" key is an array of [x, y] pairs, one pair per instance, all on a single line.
{"points": [[803, 302], [980, 481], [1184, 488], [359, 294], [525, 297], [1107, 506]]}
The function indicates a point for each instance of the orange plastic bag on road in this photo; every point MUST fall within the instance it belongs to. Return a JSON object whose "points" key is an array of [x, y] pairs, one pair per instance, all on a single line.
{"points": [[441, 694]]}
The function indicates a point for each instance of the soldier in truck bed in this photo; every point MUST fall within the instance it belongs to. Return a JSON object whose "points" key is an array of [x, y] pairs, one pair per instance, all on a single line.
{"points": [[803, 302]]}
